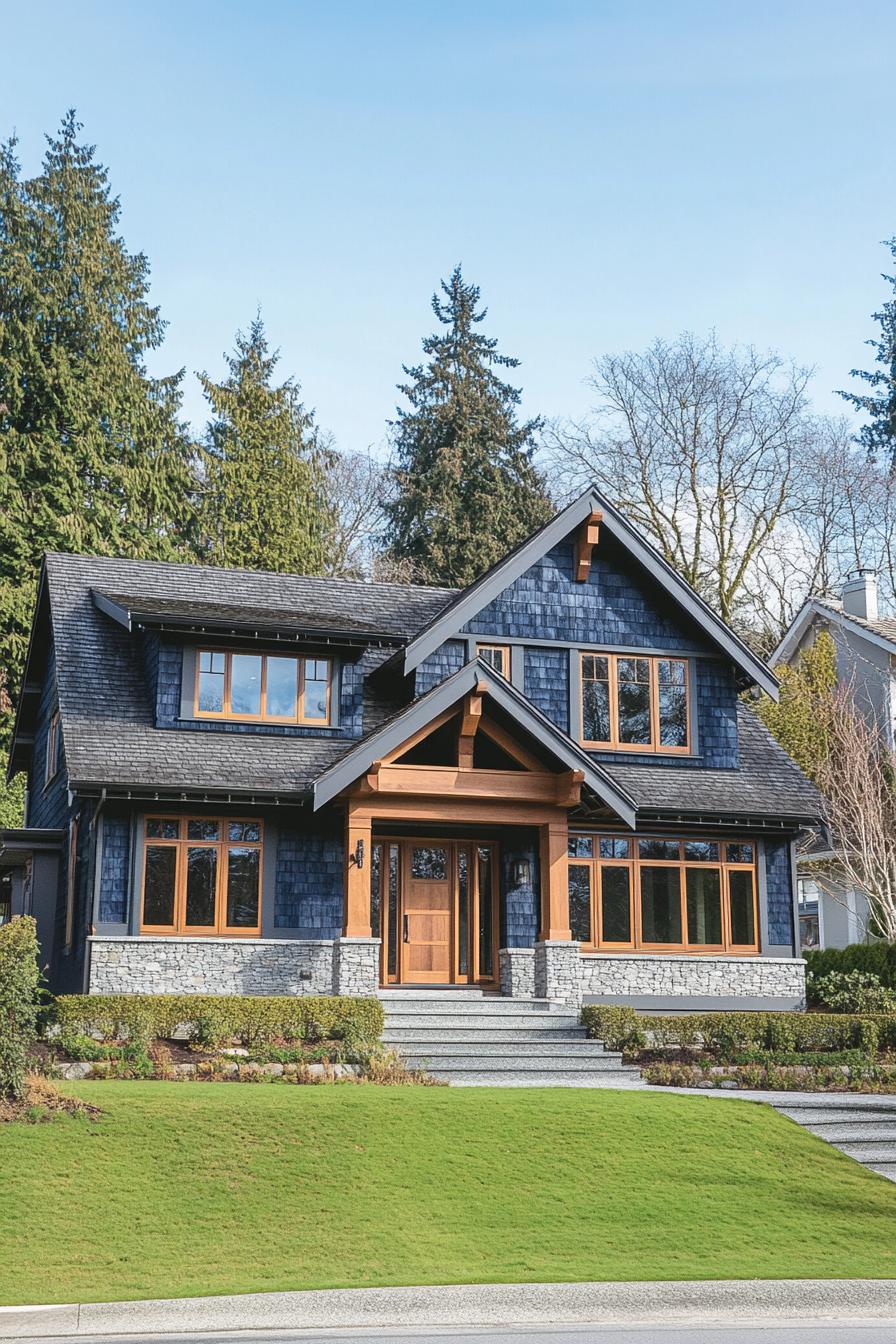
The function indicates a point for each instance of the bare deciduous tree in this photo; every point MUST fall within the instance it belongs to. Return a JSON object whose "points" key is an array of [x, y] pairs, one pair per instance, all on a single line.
{"points": [[357, 486], [858, 780]]}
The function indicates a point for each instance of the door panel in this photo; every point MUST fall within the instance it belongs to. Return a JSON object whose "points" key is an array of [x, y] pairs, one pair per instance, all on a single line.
{"points": [[426, 915]]}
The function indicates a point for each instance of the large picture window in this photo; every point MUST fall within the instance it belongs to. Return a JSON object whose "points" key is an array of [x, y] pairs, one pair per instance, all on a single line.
{"points": [[662, 895], [635, 704], [202, 875], [262, 687]]}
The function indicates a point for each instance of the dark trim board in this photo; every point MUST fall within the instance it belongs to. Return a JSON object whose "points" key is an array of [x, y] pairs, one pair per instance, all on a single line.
{"points": [[672, 1004]]}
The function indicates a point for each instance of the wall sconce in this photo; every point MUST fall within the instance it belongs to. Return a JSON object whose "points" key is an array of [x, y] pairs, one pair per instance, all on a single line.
{"points": [[358, 855], [521, 872]]}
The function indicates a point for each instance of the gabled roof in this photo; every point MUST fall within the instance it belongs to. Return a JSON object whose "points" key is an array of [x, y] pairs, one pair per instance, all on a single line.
{"points": [[449, 692], [881, 632], [468, 603]]}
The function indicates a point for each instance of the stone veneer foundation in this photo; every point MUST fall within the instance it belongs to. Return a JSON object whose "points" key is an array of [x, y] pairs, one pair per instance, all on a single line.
{"points": [[638, 975], [172, 965]]}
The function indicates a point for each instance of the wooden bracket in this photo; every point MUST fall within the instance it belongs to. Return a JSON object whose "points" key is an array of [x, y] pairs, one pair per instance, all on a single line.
{"points": [[589, 534], [470, 719]]}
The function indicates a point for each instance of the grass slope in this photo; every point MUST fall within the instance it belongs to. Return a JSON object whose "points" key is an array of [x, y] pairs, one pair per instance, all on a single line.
{"points": [[190, 1189]]}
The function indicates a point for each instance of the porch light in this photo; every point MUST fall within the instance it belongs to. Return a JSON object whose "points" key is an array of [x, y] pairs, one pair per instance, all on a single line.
{"points": [[359, 854], [522, 872]]}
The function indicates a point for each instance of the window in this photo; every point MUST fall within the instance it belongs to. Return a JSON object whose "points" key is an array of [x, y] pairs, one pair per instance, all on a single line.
{"points": [[52, 748], [262, 687], [497, 656], [662, 894], [202, 875], [635, 704]]}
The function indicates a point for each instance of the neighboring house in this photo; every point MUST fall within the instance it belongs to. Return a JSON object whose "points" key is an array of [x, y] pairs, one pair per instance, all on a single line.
{"points": [[834, 915], [543, 784]]}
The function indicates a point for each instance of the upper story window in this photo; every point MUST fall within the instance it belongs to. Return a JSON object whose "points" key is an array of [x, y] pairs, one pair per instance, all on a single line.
{"points": [[201, 875], [635, 704], [262, 687], [52, 764], [497, 656]]}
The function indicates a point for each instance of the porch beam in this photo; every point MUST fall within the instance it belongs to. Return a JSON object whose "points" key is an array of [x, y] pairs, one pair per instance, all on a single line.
{"points": [[358, 848], [554, 844], [446, 783], [587, 539]]}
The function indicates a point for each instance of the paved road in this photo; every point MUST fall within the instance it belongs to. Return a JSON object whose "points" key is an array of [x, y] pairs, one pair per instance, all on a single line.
{"points": [[793, 1332]]}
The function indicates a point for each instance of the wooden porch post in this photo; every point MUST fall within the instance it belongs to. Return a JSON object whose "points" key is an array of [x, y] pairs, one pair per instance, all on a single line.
{"points": [[358, 849], [554, 841]]}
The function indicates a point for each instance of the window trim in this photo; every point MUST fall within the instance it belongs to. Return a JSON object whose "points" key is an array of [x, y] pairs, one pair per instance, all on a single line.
{"points": [[226, 714], [51, 765], [654, 747], [71, 874], [503, 649], [179, 927], [595, 866]]}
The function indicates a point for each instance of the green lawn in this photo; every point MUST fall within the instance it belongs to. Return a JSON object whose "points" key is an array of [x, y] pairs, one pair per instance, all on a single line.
{"points": [[188, 1189]]}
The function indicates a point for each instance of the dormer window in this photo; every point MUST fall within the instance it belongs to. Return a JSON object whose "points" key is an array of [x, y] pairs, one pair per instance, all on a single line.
{"points": [[262, 687], [635, 704]]}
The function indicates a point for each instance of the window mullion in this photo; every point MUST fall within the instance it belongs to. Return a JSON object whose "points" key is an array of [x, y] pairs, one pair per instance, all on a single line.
{"points": [[654, 674], [263, 702], [613, 679]]}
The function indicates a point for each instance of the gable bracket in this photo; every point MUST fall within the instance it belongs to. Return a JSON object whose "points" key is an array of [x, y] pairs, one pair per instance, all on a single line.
{"points": [[586, 540], [470, 719]]}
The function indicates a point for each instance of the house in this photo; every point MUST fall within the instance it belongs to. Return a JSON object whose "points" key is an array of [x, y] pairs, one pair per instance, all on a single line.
{"points": [[544, 784], [833, 913]]}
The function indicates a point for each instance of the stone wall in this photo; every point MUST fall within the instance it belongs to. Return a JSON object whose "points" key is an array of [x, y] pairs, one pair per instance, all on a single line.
{"points": [[145, 965], [558, 972], [517, 970], [637, 975]]}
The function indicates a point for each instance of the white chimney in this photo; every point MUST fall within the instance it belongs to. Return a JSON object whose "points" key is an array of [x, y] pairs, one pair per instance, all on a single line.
{"points": [[859, 594]]}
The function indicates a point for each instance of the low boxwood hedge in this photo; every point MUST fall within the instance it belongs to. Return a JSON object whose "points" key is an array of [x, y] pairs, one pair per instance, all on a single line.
{"points": [[874, 958], [217, 1019], [620, 1028]]}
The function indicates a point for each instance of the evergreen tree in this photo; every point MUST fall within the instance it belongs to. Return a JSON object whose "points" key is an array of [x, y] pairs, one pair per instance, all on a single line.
{"points": [[801, 718], [263, 498], [466, 489], [879, 435], [93, 457]]}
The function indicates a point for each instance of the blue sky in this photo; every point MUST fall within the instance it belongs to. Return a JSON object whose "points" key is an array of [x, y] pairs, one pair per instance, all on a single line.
{"points": [[607, 172]]}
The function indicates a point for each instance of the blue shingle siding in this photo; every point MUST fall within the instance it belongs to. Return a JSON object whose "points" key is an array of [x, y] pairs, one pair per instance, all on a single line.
{"points": [[47, 802], [114, 870], [617, 606], [519, 904], [546, 683], [309, 883], [779, 892], [449, 658], [150, 651], [350, 675]]}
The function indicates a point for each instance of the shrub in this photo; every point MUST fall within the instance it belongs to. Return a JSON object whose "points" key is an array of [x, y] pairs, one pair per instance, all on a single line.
{"points": [[853, 992], [19, 977], [873, 958], [728, 1034], [214, 1020]]}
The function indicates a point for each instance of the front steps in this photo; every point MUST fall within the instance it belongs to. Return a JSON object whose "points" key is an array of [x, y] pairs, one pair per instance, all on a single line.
{"points": [[471, 1039], [862, 1126]]}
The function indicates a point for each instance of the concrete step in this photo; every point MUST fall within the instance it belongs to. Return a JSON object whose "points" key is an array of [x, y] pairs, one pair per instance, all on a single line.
{"points": [[856, 1132], [887, 1169], [487, 1033], [869, 1152], [497, 1007], [498, 1049], [810, 1114], [442, 1065], [556, 1078], [483, 1021]]}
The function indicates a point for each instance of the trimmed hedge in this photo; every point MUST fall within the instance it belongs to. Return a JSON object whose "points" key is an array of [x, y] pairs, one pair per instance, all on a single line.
{"points": [[218, 1019], [19, 978], [620, 1027], [876, 958]]}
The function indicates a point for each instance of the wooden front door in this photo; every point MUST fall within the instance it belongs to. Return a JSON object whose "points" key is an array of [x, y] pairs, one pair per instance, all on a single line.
{"points": [[427, 909]]}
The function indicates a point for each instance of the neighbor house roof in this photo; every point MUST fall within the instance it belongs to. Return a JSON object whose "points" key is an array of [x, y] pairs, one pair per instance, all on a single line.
{"points": [[881, 631]]}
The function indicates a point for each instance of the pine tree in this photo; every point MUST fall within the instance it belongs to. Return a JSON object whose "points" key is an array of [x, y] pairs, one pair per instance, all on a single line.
{"points": [[466, 488], [263, 499], [92, 455], [879, 435], [800, 720]]}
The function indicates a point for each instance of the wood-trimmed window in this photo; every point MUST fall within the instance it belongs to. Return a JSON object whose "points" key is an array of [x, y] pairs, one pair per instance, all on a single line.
{"points": [[52, 763], [262, 687], [202, 875], [496, 656], [633, 703], [663, 895]]}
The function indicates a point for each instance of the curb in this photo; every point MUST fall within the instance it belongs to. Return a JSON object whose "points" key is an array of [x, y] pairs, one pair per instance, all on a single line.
{"points": [[729, 1302]]}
